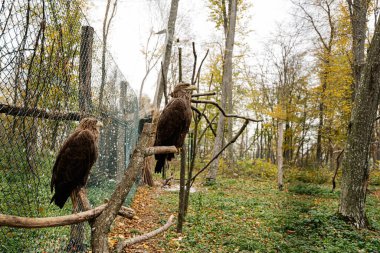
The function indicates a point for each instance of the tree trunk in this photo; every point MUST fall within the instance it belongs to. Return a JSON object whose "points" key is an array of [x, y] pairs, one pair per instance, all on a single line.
{"points": [[358, 15], [226, 83], [355, 163], [167, 54], [280, 140]]}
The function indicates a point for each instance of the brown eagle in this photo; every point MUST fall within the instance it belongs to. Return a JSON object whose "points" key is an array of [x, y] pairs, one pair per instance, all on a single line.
{"points": [[174, 122], [75, 159]]}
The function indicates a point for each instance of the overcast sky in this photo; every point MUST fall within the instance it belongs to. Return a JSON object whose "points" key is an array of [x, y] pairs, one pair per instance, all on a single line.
{"points": [[132, 23]]}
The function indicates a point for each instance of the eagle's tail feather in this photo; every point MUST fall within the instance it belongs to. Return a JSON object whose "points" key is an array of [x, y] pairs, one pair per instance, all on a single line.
{"points": [[61, 195], [160, 163]]}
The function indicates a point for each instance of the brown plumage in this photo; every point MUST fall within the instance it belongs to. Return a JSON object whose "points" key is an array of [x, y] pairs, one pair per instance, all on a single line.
{"points": [[174, 122], [75, 159]]}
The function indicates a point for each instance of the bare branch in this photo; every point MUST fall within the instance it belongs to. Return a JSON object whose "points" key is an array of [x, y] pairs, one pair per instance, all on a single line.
{"points": [[221, 151], [164, 84], [27, 222], [206, 118], [194, 65], [121, 245], [160, 150], [200, 67], [38, 113], [223, 112], [203, 94]]}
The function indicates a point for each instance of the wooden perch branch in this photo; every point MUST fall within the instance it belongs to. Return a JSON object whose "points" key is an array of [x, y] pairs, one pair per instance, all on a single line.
{"points": [[223, 112], [212, 93], [27, 222], [221, 151], [160, 150], [146, 236]]}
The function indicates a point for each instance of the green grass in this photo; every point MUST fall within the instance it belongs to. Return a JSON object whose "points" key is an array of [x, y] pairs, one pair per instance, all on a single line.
{"points": [[251, 215]]}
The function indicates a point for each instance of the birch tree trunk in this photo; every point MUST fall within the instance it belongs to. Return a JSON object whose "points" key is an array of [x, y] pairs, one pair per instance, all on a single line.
{"points": [[355, 162], [226, 83], [168, 51], [280, 139]]}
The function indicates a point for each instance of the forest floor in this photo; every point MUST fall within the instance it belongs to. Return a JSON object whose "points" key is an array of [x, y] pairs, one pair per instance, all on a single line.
{"points": [[250, 215]]}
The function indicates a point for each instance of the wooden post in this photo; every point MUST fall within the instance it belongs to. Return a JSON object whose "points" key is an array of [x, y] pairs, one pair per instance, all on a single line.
{"points": [[80, 202], [85, 65]]}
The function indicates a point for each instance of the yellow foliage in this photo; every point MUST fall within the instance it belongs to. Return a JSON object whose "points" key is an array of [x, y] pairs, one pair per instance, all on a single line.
{"points": [[277, 113]]}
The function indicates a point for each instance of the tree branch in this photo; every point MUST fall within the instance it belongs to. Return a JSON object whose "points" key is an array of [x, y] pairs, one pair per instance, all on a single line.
{"points": [[160, 150], [204, 115], [194, 65], [164, 84], [203, 94], [38, 113], [223, 112], [121, 245], [200, 67], [27, 222], [221, 151]]}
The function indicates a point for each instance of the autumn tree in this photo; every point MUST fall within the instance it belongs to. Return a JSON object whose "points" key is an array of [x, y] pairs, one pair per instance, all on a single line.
{"points": [[169, 40]]}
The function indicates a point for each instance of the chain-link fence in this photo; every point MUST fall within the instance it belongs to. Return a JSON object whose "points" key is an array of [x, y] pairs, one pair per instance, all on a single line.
{"points": [[51, 74]]}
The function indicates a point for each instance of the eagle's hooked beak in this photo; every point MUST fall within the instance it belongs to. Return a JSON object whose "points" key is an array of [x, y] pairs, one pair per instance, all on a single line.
{"points": [[99, 124]]}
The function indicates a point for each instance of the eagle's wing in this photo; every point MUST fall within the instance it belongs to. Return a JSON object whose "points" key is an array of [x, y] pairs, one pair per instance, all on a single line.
{"points": [[73, 164]]}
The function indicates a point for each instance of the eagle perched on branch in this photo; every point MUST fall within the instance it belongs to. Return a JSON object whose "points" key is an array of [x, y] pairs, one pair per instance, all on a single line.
{"points": [[75, 159], [174, 122]]}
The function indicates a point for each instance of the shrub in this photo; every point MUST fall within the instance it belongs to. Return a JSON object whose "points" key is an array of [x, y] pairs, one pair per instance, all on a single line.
{"points": [[257, 168], [374, 177], [316, 176], [306, 189]]}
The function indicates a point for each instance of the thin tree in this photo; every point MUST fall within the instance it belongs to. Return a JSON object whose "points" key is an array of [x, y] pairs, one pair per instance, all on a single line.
{"points": [[226, 85], [106, 28], [167, 54], [322, 9], [151, 58]]}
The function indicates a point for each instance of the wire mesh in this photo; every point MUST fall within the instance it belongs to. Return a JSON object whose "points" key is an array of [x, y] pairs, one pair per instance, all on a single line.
{"points": [[40, 105]]}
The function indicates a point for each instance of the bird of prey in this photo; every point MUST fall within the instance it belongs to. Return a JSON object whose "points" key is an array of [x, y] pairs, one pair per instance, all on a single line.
{"points": [[75, 159], [174, 122]]}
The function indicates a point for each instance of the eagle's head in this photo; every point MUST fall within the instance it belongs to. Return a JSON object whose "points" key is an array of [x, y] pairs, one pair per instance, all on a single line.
{"points": [[91, 124], [183, 90]]}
